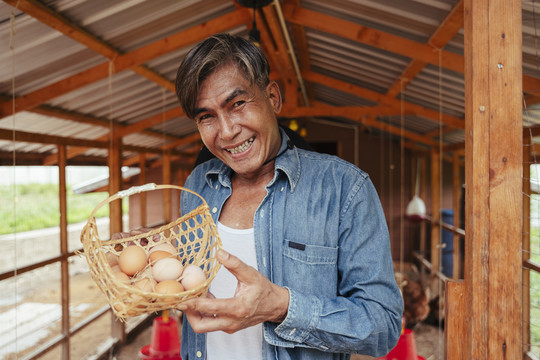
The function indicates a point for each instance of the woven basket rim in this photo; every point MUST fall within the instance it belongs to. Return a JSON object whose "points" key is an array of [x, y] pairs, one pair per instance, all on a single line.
{"points": [[201, 252]]}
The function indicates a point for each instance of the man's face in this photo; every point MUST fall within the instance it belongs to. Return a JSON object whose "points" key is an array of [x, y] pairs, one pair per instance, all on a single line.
{"points": [[237, 121]]}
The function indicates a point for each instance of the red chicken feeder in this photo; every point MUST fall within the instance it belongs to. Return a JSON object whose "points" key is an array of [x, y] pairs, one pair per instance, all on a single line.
{"points": [[165, 343], [405, 348]]}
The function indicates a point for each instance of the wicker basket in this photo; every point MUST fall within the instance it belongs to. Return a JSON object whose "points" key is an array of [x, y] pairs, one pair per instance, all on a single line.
{"points": [[194, 235]]}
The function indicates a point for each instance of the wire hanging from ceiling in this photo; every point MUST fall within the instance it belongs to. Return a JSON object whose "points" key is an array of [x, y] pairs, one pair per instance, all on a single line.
{"points": [[14, 163]]}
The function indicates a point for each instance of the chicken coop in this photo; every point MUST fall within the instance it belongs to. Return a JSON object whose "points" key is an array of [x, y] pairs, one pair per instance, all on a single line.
{"points": [[437, 100]]}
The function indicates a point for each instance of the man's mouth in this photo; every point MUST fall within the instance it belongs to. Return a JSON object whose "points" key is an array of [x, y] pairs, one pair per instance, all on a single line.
{"points": [[241, 147]]}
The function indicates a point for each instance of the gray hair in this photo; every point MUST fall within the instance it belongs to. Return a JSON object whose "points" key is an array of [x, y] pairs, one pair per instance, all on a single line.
{"points": [[209, 55]]}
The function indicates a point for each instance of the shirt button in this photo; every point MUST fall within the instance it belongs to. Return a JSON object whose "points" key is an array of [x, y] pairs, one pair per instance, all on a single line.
{"points": [[217, 186], [262, 213], [282, 189], [214, 210], [199, 354]]}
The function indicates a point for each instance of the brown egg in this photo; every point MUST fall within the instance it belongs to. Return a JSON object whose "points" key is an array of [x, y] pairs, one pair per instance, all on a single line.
{"points": [[158, 255], [169, 287], [168, 247], [123, 278], [145, 284], [116, 268], [112, 258], [167, 269], [192, 276], [132, 260]]}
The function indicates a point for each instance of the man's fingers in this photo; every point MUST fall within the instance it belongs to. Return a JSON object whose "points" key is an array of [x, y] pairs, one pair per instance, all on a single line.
{"points": [[237, 267]]}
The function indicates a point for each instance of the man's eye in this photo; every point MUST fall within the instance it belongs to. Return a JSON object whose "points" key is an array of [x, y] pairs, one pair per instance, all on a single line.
{"points": [[238, 103], [203, 117]]}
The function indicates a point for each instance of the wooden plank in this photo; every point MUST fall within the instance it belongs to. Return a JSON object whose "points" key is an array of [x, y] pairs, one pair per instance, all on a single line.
{"points": [[448, 28], [166, 179], [456, 204], [409, 108], [454, 320], [64, 266], [379, 39], [115, 216], [435, 212], [25, 136], [526, 243], [493, 153], [423, 195], [124, 62], [142, 181]]}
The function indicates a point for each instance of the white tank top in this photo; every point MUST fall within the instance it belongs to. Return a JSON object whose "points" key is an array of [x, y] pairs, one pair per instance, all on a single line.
{"points": [[247, 343]]}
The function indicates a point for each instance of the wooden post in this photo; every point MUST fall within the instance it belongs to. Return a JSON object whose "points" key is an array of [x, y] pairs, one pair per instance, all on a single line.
{"points": [[436, 216], [115, 184], [454, 306], [64, 266], [115, 215], [493, 150], [456, 196], [423, 225], [526, 274], [166, 170], [142, 181]]}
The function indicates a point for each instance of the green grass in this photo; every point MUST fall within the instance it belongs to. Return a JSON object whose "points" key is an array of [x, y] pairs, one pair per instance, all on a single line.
{"points": [[36, 206]]}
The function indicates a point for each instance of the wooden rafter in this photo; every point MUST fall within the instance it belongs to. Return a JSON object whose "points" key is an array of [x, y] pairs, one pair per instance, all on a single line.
{"points": [[385, 41], [448, 120], [124, 62]]}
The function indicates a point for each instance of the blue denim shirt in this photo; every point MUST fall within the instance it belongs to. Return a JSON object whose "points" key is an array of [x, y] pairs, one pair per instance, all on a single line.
{"points": [[321, 233]]}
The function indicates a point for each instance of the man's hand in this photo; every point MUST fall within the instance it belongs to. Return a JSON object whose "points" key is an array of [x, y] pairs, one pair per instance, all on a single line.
{"points": [[256, 300]]}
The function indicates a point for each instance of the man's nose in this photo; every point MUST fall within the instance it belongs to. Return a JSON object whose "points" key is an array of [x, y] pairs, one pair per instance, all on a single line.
{"points": [[228, 128]]}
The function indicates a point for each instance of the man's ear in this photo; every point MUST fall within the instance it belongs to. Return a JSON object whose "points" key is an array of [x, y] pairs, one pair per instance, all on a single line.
{"points": [[274, 95]]}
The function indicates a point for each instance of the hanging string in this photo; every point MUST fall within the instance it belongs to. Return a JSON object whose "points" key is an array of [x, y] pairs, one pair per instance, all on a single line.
{"points": [[529, 341], [402, 180], [440, 342], [14, 163]]}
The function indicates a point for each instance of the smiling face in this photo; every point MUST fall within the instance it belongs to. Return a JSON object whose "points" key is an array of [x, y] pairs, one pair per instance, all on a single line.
{"points": [[237, 121]]}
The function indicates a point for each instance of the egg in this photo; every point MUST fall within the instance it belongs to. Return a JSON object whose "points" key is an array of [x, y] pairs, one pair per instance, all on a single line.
{"points": [[112, 258], [158, 255], [169, 287], [163, 247], [192, 276], [145, 284], [167, 269], [123, 278], [132, 260]]}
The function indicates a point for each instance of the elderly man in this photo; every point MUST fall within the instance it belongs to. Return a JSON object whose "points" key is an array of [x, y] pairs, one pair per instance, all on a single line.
{"points": [[307, 269]]}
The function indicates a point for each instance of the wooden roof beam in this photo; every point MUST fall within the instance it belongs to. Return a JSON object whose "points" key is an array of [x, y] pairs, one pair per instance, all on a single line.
{"points": [[351, 112], [62, 24], [385, 41], [444, 33], [124, 62], [410, 108], [302, 50], [375, 38]]}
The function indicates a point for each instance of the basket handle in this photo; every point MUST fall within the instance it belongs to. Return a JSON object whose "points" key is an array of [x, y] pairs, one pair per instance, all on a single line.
{"points": [[142, 188]]}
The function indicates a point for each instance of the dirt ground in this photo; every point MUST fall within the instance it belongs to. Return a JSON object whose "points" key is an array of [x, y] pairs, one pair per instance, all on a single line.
{"points": [[428, 338], [87, 298]]}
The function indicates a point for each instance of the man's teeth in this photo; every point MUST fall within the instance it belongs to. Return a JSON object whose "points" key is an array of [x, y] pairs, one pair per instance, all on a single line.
{"points": [[242, 147]]}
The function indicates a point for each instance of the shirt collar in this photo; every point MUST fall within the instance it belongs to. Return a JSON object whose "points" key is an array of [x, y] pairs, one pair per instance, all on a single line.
{"points": [[288, 164]]}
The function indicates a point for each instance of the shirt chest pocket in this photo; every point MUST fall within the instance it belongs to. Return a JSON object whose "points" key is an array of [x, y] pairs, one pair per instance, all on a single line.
{"points": [[311, 269]]}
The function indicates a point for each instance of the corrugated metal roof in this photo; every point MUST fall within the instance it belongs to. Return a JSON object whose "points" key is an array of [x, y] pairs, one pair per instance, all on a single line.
{"points": [[37, 53]]}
